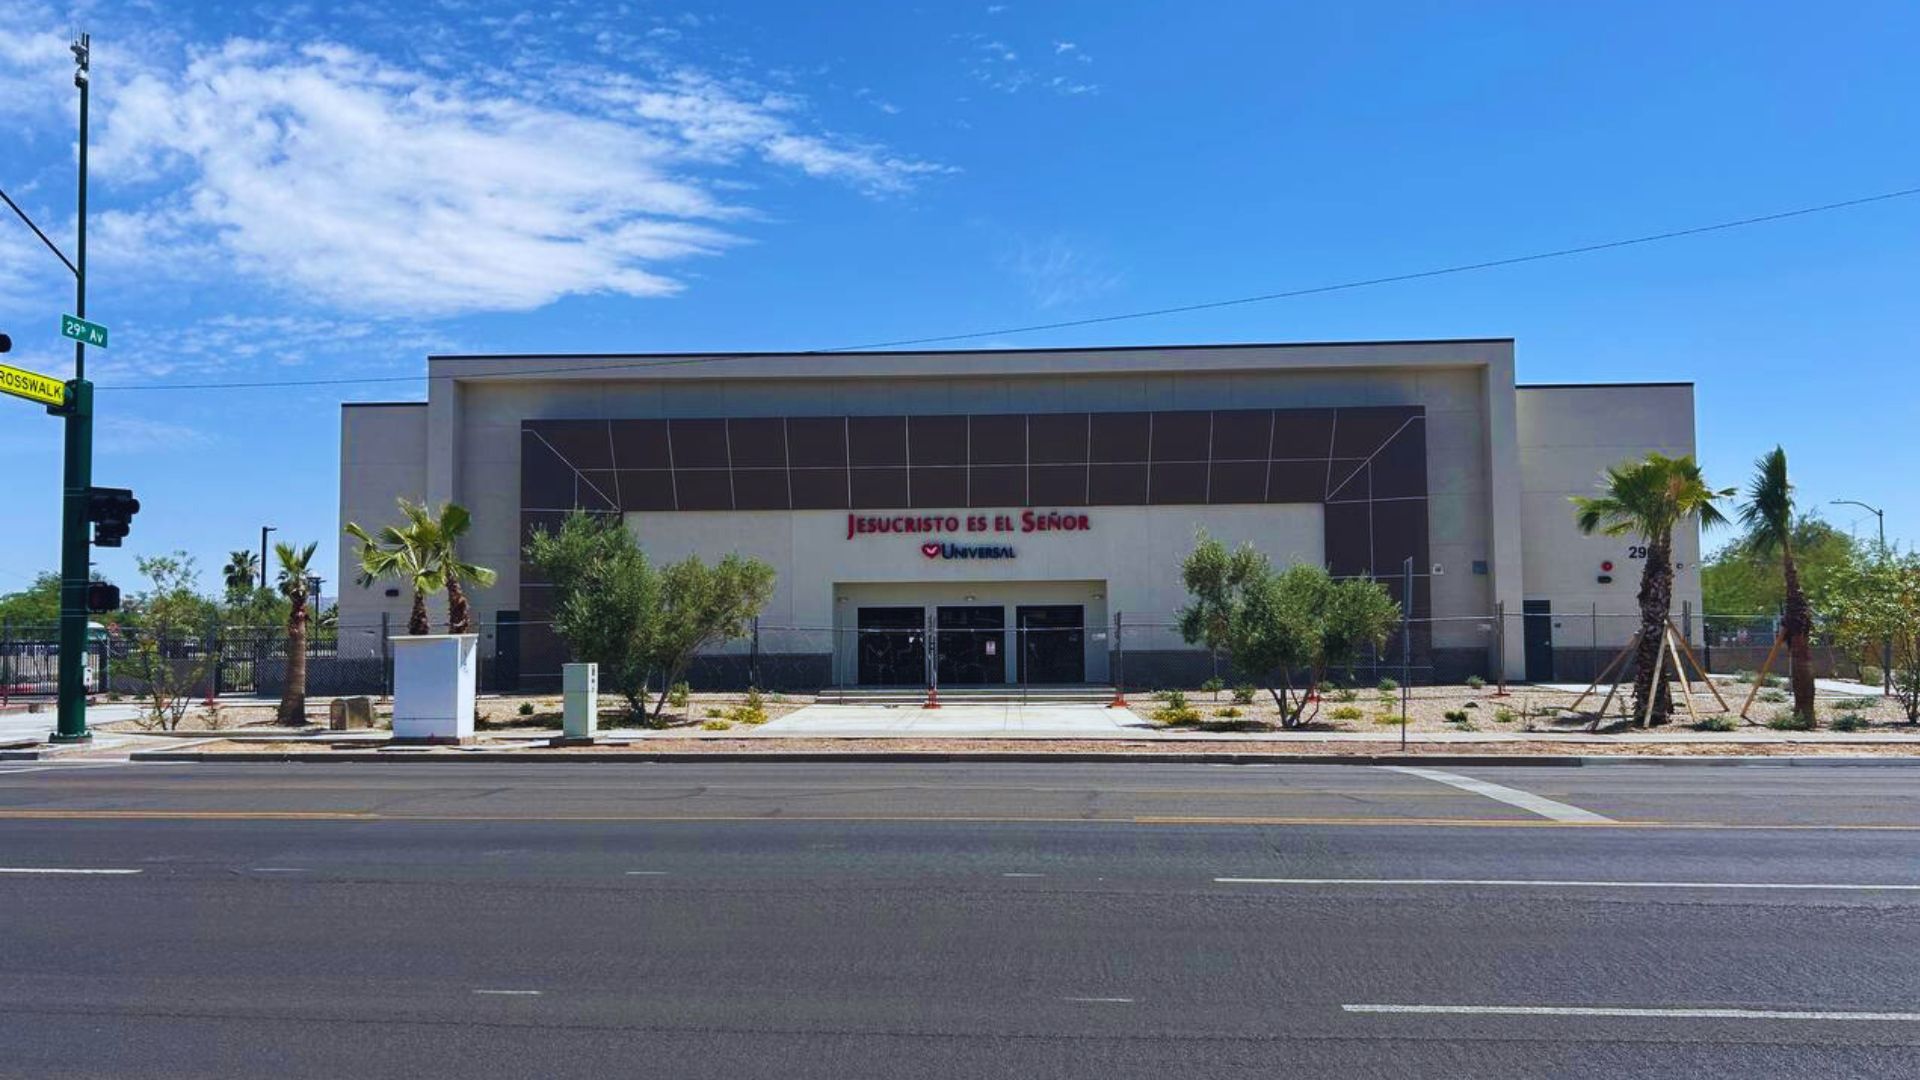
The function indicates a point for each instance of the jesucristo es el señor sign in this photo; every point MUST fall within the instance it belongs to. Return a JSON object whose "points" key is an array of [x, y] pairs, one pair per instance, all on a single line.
{"points": [[1028, 521]]}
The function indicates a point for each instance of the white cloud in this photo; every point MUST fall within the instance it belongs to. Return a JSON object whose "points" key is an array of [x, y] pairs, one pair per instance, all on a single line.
{"points": [[350, 181], [116, 433], [998, 65], [1055, 273]]}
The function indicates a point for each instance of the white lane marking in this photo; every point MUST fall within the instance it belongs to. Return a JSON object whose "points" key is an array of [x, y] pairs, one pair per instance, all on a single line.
{"points": [[1815, 886], [1022, 875], [1525, 800], [512, 993], [1100, 1000], [279, 869], [63, 870], [646, 873], [1670, 1014]]}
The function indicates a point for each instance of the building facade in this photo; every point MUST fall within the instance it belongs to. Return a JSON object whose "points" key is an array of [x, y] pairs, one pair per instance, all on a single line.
{"points": [[1020, 516]]}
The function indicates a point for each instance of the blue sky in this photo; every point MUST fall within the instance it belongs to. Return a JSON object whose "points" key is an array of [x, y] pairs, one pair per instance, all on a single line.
{"points": [[333, 191]]}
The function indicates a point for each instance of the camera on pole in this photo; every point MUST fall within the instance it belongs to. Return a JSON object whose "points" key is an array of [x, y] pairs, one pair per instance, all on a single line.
{"points": [[111, 510]]}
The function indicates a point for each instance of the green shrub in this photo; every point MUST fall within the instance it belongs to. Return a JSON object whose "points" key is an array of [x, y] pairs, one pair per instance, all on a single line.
{"points": [[1456, 716], [715, 725], [1475, 682], [1213, 686], [1389, 686], [751, 711], [1773, 681], [1243, 694], [1855, 704], [1326, 687], [711, 711], [1346, 693], [1390, 719], [1229, 713], [1788, 720], [1720, 722], [1850, 722], [1471, 705], [1346, 712], [1872, 674], [526, 708], [677, 695], [1743, 676], [1504, 715], [1772, 697]]}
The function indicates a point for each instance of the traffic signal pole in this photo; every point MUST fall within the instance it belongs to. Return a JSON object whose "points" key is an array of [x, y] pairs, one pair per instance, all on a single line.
{"points": [[75, 568]]}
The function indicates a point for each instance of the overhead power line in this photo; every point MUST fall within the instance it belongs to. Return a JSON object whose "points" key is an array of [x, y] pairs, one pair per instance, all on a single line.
{"points": [[1209, 305]]}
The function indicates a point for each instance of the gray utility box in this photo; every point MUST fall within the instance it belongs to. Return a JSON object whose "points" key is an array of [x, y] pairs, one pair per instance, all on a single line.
{"points": [[580, 710]]}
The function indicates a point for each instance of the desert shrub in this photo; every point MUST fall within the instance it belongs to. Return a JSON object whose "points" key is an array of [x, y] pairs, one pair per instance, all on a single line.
{"points": [[526, 708], [1851, 722], [1872, 674], [1788, 720], [1213, 686], [1772, 697], [1325, 687], [710, 711], [1456, 716], [1388, 686], [1229, 713], [1243, 694], [1743, 676], [715, 725], [1390, 719], [1471, 705], [1475, 682], [753, 710], [1720, 722], [677, 695], [1855, 704], [1773, 682], [1346, 712], [1504, 715], [1346, 693]]}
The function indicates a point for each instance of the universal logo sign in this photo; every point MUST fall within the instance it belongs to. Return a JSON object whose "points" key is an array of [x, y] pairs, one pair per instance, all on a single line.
{"points": [[936, 550]]}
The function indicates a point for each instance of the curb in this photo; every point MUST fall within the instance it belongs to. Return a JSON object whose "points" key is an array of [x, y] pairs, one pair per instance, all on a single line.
{"points": [[1010, 756]]}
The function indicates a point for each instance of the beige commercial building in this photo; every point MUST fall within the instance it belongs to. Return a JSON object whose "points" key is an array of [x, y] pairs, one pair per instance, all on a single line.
{"points": [[1019, 516]]}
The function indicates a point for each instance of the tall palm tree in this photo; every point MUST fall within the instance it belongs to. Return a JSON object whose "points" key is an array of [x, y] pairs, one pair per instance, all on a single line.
{"points": [[399, 554], [1650, 499], [1768, 517], [241, 571], [438, 532], [292, 580]]}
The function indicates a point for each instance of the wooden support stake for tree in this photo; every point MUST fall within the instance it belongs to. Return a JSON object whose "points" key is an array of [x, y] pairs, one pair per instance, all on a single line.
{"points": [[1613, 689], [1602, 674], [1686, 685], [1653, 688], [1687, 649], [1760, 678]]}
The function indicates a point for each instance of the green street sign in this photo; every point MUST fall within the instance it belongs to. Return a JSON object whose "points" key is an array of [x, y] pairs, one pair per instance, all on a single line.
{"points": [[82, 331], [33, 386]]}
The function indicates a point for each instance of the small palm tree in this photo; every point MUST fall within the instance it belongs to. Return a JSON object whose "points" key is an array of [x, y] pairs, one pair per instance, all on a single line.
{"points": [[294, 564], [1768, 517], [397, 553], [241, 571], [438, 533], [1650, 499]]}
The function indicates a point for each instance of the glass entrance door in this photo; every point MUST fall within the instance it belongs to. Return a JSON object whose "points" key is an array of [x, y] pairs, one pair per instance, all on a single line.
{"points": [[892, 646], [1053, 644], [972, 648]]}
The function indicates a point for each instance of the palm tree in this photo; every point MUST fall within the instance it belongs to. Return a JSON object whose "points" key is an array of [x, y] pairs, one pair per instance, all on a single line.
{"points": [[1649, 499], [293, 585], [398, 553], [1768, 517], [241, 571], [438, 533]]}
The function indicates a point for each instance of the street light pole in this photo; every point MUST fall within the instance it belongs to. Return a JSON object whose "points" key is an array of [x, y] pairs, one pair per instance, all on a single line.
{"points": [[264, 530], [1886, 647]]}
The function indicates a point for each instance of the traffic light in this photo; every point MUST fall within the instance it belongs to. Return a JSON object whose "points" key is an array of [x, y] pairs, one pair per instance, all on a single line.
{"points": [[6, 343], [102, 597], [111, 510]]}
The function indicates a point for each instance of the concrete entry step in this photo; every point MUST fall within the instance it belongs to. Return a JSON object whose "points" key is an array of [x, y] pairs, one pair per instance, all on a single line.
{"points": [[969, 695]]}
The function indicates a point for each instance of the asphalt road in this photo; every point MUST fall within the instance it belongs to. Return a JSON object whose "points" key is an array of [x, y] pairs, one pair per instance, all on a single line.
{"points": [[741, 920]]}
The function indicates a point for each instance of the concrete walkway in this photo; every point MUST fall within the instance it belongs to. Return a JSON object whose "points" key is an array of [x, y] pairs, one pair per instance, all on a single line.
{"points": [[960, 721]]}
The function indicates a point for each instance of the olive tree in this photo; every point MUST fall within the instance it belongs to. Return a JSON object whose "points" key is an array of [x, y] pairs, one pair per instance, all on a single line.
{"points": [[701, 606], [1874, 602], [605, 594]]}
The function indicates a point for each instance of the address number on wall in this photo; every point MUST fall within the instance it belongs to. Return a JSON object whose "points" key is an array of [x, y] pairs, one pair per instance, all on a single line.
{"points": [[1636, 551]]}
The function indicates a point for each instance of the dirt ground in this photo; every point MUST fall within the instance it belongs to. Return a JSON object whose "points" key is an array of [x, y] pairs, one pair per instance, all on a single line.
{"points": [[1524, 708], [501, 713]]}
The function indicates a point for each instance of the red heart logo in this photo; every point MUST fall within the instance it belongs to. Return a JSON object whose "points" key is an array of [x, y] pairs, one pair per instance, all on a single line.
{"points": [[931, 551]]}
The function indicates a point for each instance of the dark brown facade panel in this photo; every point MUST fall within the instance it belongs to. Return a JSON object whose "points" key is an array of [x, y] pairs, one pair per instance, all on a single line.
{"points": [[760, 489], [1241, 434], [583, 443], [1237, 482], [1057, 438], [698, 444], [595, 489], [1119, 436], [1349, 539], [1057, 485], [1117, 485], [818, 489], [1302, 433], [702, 489], [757, 443], [997, 440], [1178, 483], [1296, 481], [936, 486], [544, 474], [641, 444], [879, 489], [936, 440], [1399, 533], [1400, 467], [877, 440], [817, 441], [1180, 436], [645, 489], [1359, 432], [998, 485]]}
